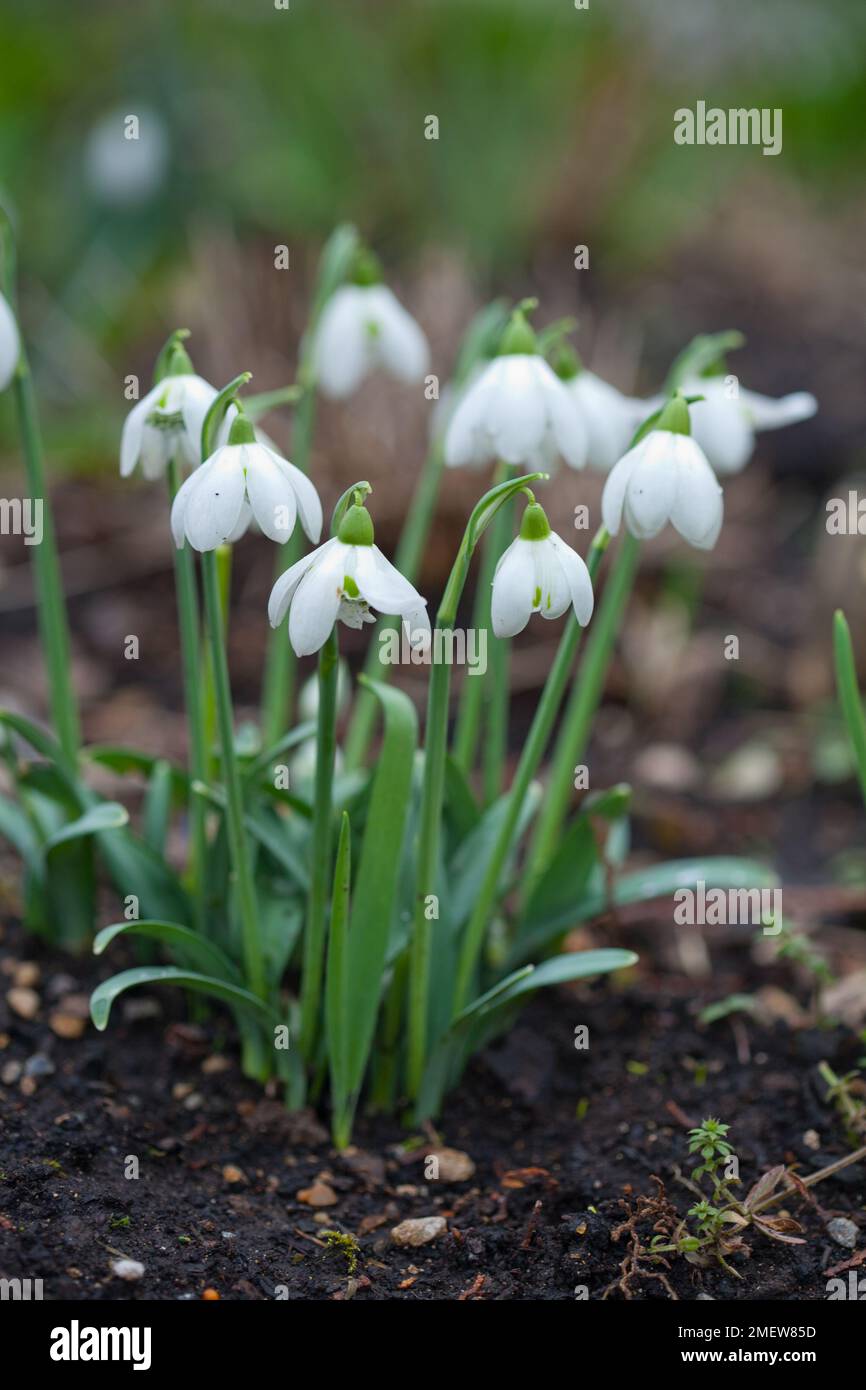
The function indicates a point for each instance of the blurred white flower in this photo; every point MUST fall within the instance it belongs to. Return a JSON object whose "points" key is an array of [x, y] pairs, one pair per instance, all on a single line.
{"points": [[609, 417], [244, 479], [516, 410], [308, 698], [166, 422], [538, 573], [126, 155], [364, 327], [10, 344], [345, 578], [665, 478], [726, 421]]}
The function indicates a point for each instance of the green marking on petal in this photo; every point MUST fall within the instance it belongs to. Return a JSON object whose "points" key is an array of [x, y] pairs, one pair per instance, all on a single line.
{"points": [[350, 587]]}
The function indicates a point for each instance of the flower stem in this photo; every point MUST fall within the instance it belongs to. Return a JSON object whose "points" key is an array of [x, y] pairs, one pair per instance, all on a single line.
{"points": [[408, 561], [472, 693], [320, 867], [849, 693], [190, 637], [239, 850], [496, 682], [51, 605], [280, 667], [533, 751], [580, 711]]}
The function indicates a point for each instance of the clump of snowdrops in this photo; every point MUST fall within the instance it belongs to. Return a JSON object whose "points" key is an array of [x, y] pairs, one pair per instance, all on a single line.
{"points": [[372, 908]]}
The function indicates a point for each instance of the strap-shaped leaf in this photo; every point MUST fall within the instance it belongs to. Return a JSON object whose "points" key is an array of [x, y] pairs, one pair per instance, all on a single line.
{"points": [[338, 1010], [106, 815], [105, 994], [200, 951], [378, 870], [659, 881]]}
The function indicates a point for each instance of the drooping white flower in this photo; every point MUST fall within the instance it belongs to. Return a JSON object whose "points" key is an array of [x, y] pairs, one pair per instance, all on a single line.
{"points": [[665, 478], [166, 423], [517, 410], [345, 578], [10, 344], [726, 421], [126, 156], [364, 327], [609, 417], [538, 573], [240, 480]]}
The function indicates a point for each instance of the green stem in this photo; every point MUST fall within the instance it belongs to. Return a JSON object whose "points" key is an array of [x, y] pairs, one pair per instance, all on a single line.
{"points": [[320, 867], [252, 946], [472, 693], [188, 623], [530, 758], [280, 666], [496, 681], [849, 694], [51, 605], [408, 562], [580, 711]]}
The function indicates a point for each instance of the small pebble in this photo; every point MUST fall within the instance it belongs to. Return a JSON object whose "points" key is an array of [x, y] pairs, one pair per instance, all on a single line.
{"points": [[26, 973], [38, 1065], [419, 1231], [233, 1174], [216, 1063], [130, 1270], [319, 1195], [843, 1231], [454, 1165], [10, 1073], [23, 1001], [66, 1025]]}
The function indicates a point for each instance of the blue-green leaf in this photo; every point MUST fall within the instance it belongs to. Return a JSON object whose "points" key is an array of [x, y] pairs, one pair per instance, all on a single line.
{"points": [[203, 953], [105, 994]]}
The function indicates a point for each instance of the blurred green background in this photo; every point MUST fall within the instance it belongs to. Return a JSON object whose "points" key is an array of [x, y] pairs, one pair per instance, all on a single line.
{"points": [[261, 125]]}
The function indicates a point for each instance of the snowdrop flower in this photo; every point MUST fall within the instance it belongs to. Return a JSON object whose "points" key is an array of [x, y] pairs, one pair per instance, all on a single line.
{"points": [[364, 326], [167, 423], [538, 573], [726, 421], [10, 344], [244, 479], [609, 417], [345, 578], [126, 156], [665, 477], [517, 410]]}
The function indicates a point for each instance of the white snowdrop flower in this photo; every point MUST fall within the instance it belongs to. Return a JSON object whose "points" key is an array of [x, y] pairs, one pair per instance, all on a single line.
{"points": [[726, 421], [516, 410], [308, 698], [345, 578], [609, 417], [364, 327], [302, 765], [538, 573], [240, 480], [665, 477], [126, 156], [166, 423], [10, 344]]}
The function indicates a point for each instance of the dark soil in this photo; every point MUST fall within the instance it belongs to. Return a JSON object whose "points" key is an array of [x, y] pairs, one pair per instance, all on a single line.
{"points": [[217, 1205]]}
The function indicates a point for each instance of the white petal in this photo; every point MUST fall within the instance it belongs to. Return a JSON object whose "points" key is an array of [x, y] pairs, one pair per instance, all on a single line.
{"points": [[416, 626], [576, 577], [317, 600], [613, 497], [552, 593], [652, 486], [269, 491], [721, 429], [197, 398], [284, 588], [178, 509], [608, 416], [516, 414], [309, 505], [514, 585], [342, 347], [10, 344], [133, 427], [563, 416], [698, 509], [466, 440], [383, 586], [402, 347], [242, 525], [215, 499], [768, 414]]}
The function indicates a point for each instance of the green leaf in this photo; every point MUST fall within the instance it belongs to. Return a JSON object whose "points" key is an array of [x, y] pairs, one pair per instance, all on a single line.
{"points": [[275, 835], [338, 1009], [16, 827], [262, 764], [105, 994], [469, 867], [849, 694], [659, 881], [157, 806], [129, 760], [200, 951], [105, 815], [460, 804], [376, 881], [137, 871]]}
